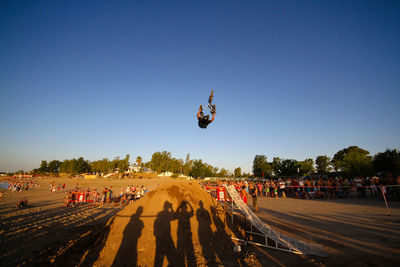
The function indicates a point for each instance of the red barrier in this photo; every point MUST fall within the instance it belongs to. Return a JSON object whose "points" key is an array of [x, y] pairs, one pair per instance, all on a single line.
{"points": [[221, 193], [81, 197]]}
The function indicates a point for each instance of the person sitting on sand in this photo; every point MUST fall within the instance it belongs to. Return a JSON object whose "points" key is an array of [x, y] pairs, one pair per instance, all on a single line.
{"points": [[131, 197], [68, 198], [138, 193], [22, 204]]}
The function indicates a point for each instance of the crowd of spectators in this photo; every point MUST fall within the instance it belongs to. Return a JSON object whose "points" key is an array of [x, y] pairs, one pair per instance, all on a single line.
{"points": [[56, 187], [107, 195], [322, 187], [17, 184]]}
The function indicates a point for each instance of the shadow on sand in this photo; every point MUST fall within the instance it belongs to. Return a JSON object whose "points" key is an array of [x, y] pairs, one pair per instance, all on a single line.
{"points": [[132, 232]]}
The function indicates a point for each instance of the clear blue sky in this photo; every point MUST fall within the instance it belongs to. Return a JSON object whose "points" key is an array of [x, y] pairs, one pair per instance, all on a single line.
{"points": [[293, 79]]}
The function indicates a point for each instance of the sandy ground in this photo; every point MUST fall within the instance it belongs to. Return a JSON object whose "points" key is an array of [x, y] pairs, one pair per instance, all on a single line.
{"points": [[353, 231], [46, 229]]}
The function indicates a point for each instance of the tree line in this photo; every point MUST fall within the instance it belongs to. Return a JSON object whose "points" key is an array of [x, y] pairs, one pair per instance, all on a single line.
{"points": [[80, 165], [351, 161], [160, 162]]}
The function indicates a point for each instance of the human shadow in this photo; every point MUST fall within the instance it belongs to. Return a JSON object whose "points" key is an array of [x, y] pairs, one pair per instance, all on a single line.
{"points": [[185, 250], [162, 231], [205, 234], [132, 232], [96, 246], [223, 246], [46, 229]]}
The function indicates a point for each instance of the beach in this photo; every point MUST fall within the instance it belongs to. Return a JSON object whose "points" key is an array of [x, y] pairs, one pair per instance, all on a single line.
{"points": [[353, 231]]}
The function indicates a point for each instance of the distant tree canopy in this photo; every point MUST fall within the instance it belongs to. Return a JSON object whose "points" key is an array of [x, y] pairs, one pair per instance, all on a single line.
{"points": [[323, 164], [200, 169], [75, 166], [43, 166], [276, 165], [305, 167], [353, 161], [139, 161], [387, 162], [160, 162], [80, 165], [54, 166], [289, 167], [261, 167], [237, 172], [106, 166]]}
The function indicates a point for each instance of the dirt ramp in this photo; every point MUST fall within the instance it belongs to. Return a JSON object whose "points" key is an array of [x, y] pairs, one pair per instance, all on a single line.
{"points": [[176, 224]]}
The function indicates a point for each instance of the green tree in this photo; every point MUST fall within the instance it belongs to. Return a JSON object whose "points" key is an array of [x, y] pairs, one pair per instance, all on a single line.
{"points": [[69, 166], [82, 166], [115, 164], [276, 165], [237, 172], [323, 164], [43, 166], [289, 167], [187, 167], [338, 158], [54, 166], [139, 161], [388, 161], [160, 161], [208, 170], [305, 167], [223, 173], [102, 166], [123, 164], [35, 171], [353, 161], [261, 166], [215, 171], [197, 169], [176, 165]]}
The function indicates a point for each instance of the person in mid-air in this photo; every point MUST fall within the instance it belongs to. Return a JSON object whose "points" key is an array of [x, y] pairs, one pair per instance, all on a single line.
{"points": [[204, 121]]}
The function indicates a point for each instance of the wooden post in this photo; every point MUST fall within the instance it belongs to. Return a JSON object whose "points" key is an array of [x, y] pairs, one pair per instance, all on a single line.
{"points": [[384, 197]]}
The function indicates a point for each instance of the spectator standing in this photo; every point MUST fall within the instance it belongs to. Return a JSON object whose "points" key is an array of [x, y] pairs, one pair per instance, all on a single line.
{"points": [[282, 188], [243, 194], [253, 192]]}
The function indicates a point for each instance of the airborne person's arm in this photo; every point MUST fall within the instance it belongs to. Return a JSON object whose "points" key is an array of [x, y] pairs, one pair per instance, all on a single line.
{"points": [[212, 119], [200, 109]]}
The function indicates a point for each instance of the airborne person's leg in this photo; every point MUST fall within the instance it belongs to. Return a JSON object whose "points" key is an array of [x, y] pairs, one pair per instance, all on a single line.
{"points": [[211, 97]]}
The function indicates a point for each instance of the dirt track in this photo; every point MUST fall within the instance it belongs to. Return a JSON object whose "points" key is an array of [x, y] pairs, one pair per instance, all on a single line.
{"points": [[354, 232]]}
